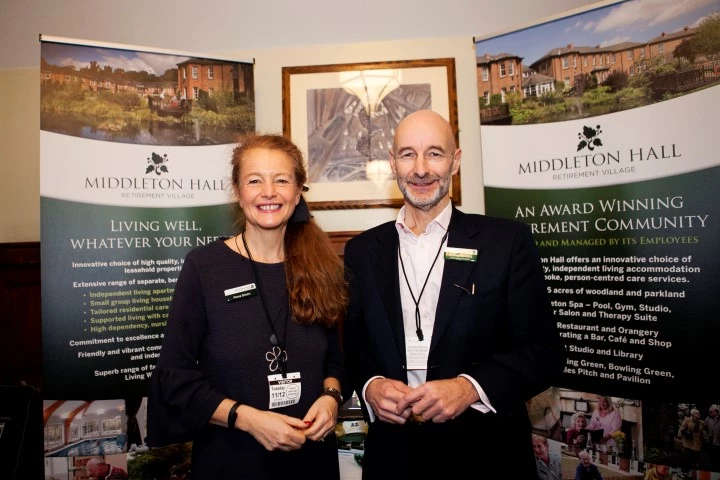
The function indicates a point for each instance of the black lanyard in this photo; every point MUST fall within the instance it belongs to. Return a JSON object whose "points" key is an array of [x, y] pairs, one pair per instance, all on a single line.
{"points": [[418, 324], [274, 339]]}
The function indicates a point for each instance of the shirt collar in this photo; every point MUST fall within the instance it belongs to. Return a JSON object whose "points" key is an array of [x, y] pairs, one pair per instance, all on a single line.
{"points": [[441, 221]]}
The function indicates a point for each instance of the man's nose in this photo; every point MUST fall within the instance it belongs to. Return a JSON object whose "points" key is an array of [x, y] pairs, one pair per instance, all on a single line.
{"points": [[421, 166]]}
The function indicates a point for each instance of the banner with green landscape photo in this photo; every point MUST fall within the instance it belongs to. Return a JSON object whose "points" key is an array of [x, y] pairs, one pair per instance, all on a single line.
{"points": [[135, 151], [602, 140]]}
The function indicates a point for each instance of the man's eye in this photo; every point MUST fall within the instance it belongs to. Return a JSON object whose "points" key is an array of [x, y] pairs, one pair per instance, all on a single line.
{"points": [[434, 155], [407, 155]]}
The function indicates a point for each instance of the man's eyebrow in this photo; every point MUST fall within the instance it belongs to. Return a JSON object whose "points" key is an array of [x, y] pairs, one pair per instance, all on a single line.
{"points": [[436, 147], [430, 147]]}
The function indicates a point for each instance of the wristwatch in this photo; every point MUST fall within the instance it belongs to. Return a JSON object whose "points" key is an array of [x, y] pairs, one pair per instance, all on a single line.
{"points": [[334, 393]]}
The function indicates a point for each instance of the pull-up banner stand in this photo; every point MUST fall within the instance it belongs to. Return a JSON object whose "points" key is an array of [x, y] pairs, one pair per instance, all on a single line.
{"points": [[135, 148], [599, 131]]}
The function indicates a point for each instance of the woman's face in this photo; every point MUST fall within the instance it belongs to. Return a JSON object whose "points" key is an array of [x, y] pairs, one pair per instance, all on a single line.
{"points": [[603, 403], [580, 423], [267, 190]]}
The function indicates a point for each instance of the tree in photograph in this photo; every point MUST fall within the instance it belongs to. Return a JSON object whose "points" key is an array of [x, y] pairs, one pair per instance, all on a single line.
{"points": [[707, 38], [617, 80], [687, 50]]}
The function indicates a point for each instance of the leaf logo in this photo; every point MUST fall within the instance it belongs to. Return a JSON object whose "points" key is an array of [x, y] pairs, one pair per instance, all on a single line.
{"points": [[590, 138], [157, 164]]}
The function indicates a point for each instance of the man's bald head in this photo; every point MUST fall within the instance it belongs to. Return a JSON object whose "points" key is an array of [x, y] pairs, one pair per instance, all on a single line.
{"points": [[425, 120]]}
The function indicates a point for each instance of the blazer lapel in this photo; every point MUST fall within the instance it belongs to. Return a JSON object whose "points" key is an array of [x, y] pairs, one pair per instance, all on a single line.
{"points": [[456, 272], [385, 267]]}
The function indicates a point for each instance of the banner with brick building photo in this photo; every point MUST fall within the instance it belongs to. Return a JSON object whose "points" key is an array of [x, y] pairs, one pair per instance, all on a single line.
{"points": [[135, 150], [598, 130]]}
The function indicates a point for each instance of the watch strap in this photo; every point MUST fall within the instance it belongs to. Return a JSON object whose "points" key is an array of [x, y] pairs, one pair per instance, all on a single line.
{"points": [[334, 393], [232, 416]]}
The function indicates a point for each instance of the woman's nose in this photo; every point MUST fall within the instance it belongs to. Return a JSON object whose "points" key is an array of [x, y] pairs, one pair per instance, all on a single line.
{"points": [[268, 189]]}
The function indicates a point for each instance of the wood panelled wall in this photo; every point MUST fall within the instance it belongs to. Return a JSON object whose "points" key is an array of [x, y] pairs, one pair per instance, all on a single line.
{"points": [[20, 314], [20, 320]]}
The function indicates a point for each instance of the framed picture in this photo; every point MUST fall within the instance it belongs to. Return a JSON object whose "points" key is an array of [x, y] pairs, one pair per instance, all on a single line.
{"points": [[344, 116], [581, 405]]}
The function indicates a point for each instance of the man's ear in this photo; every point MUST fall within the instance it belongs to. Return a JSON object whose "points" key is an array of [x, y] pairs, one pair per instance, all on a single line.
{"points": [[456, 161], [391, 159]]}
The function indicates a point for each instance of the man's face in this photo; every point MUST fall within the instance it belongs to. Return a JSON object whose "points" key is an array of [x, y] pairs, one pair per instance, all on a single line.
{"points": [[695, 415], [714, 413], [585, 460], [97, 471], [424, 160], [661, 469], [92, 471]]}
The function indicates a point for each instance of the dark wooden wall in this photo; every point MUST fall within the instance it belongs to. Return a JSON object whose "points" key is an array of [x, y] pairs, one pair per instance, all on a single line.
{"points": [[20, 315], [20, 321]]}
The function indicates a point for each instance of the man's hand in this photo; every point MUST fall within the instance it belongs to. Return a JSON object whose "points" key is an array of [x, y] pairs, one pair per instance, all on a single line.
{"points": [[439, 400], [383, 395]]}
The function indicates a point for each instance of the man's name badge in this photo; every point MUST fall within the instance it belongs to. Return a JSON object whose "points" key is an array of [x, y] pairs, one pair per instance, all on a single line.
{"points": [[461, 254], [416, 353], [232, 294], [284, 391]]}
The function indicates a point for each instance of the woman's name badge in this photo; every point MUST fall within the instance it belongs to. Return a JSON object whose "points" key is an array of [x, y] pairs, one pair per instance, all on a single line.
{"points": [[244, 291], [416, 353], [461, 254], [284, 391]]}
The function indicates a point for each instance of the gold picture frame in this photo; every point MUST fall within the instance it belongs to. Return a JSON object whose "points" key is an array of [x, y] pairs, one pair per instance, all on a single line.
{"points": [[343, 117]]}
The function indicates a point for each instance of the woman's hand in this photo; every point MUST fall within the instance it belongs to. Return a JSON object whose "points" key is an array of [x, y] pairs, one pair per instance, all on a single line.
{"points": [[273, 431], [321, 419]]}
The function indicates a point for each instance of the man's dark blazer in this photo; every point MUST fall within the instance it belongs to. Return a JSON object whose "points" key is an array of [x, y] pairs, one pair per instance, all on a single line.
{"points": [[503, 336]]}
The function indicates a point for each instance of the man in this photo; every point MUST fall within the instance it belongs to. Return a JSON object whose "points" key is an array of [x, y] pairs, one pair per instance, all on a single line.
{"points": [[449, 330], [548, 464], [691, 435], [712, 435], [586, 470], [97, 469], [712, 427]]}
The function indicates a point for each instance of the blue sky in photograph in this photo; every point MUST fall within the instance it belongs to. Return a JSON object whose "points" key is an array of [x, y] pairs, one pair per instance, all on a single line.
{"points": [[631, 21], [80, 56]]}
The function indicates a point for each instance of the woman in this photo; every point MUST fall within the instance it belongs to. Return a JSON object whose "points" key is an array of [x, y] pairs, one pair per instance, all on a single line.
{"points": [[607, 419], [549, 465], [250, 368], [575, 437]]}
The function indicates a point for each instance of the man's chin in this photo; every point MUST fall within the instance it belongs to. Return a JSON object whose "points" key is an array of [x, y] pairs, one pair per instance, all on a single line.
{"points": [[424, 205]]}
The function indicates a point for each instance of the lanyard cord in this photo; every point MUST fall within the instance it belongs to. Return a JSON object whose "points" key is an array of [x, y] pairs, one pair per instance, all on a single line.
{"points": [[274, 340], [418, 324]]}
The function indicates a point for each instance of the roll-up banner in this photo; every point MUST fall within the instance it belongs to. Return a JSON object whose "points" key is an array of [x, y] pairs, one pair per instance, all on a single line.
{"points": [[598, 130], [135, 148]]}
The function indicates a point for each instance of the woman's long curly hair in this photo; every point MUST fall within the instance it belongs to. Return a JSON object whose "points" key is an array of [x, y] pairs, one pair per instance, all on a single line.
{"points": [[313, 271]]}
